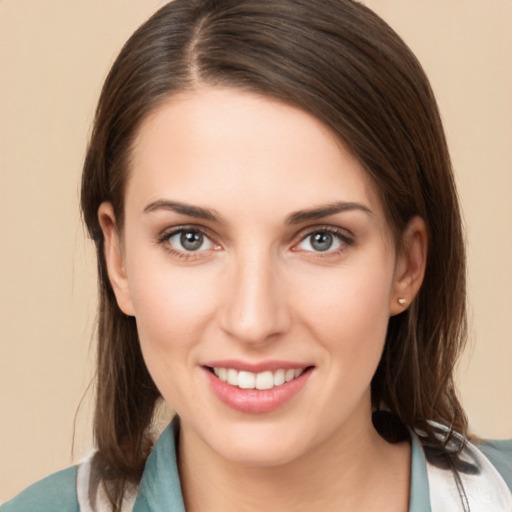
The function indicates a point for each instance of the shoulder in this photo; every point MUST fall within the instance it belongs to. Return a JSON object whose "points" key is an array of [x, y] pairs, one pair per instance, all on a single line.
{"points": [[500, 455], [55, 492]]}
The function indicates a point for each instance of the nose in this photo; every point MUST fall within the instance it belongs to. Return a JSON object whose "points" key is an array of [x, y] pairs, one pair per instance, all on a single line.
{"points": [[255, 308]]}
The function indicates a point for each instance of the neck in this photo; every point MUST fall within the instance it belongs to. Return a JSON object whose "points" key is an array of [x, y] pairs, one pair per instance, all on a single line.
{"points": [[354, 469]]}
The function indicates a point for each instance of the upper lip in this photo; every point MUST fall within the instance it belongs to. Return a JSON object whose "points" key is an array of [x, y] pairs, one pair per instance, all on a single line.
{"points": [[257, 367]]}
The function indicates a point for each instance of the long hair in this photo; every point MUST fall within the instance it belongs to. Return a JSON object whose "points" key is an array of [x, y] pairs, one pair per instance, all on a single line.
{"points": [[340, 62]]}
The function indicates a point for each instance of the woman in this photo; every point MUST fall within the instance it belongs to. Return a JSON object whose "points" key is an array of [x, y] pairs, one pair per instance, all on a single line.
{"points": [[281, 260]]}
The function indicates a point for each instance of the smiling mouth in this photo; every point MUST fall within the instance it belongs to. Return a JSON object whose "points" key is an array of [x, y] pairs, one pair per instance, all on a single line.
{"points": [[260, 381]]}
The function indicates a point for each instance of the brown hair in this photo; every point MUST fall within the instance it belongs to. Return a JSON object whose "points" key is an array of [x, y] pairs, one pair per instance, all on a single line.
{"points": [[339, 61]]}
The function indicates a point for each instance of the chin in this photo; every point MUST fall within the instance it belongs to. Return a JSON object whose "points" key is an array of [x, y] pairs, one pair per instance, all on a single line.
{"points": [[259, 455], [263, 445]]}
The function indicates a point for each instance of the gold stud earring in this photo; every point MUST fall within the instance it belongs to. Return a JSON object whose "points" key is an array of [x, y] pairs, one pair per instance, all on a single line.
{"points": [[402, 301]]}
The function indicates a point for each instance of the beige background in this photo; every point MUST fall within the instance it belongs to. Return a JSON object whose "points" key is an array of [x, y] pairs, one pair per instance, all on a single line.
{"points": [[54, 55]]}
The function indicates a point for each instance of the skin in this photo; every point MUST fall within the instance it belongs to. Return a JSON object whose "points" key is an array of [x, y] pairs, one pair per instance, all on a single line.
{"points": [[257, 290]]}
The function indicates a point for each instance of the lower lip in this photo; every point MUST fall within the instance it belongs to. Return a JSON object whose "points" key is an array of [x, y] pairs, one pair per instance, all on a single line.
{"points": [[254, 400]]}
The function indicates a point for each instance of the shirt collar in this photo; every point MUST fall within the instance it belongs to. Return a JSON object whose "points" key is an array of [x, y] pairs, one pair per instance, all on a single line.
{"points": [[419, 500], [160, 487]]}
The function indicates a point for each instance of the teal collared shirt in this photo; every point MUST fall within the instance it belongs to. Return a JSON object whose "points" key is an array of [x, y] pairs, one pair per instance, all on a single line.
{"points": [[160, 488]]}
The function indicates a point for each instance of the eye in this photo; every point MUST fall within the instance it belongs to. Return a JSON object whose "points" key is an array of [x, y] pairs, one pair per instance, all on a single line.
{"points": [[189, 240], [323, 240]]}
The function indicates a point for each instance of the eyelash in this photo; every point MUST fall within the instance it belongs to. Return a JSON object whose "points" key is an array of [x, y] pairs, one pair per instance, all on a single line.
{"points": [[344, 240], [164, 238]]}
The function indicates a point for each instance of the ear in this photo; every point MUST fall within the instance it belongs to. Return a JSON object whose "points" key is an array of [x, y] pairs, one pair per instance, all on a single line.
{"points": [[114, 258], [410, 266]]}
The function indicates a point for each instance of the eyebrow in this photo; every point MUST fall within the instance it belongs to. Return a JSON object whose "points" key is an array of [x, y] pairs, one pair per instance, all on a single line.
{"points": [[325, 211], [293, 218], [185, 209]]}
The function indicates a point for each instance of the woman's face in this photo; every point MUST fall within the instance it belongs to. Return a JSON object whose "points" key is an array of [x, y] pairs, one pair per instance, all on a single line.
{"points": [[255, 254]]}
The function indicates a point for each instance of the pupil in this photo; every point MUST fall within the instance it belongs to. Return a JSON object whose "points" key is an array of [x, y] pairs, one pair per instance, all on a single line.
{"points": [[321, 241], [191, 240]]}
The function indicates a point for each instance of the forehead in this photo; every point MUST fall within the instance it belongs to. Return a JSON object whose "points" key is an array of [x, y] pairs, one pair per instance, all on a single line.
{"points": [[239, 152]]}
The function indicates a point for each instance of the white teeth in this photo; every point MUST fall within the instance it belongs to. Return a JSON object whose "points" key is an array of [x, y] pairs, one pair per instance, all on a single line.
{"points": [[261, 381], [232, 377], [264, 380], [246, 380], [279, 377]]}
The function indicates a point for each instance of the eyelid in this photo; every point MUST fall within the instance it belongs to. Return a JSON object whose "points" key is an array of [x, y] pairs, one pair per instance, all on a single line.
{"points": [[345, 237], [172, 230], [166, 234]]}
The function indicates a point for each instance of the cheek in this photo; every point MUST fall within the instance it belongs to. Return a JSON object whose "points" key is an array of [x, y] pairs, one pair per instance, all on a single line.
{"points": [[347, 311], [168, 308], [172, 307]]}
